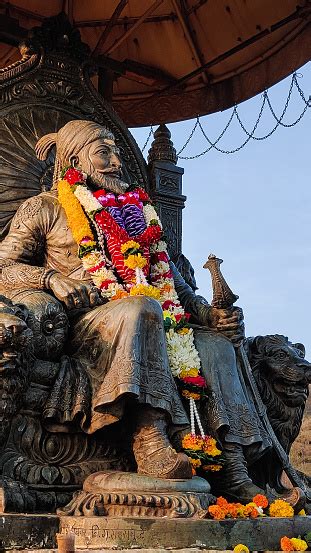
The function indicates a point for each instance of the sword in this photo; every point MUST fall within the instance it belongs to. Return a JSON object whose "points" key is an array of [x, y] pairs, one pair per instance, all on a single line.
{"points": [[224, 298]]}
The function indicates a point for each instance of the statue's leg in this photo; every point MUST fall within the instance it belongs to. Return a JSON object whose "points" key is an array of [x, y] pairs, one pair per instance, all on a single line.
{"points": [[123, 346], [230, 415]]}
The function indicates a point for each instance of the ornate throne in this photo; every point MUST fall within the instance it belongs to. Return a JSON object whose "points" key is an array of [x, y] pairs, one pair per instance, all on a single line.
{"points": [[41, 467]]}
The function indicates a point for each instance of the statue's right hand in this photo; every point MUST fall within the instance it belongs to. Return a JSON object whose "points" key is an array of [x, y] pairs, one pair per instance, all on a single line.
{"points": [[75, 294]]}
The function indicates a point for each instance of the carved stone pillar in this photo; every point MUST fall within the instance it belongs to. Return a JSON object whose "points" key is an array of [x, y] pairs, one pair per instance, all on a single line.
{"points": [[166, 187]]}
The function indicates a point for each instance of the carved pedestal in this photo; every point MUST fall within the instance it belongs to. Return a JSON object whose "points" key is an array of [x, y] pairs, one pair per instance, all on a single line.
{"points": [[125, 494]]}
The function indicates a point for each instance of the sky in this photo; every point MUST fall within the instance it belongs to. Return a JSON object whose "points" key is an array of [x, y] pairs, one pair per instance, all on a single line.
{"points": [[253, 209]]}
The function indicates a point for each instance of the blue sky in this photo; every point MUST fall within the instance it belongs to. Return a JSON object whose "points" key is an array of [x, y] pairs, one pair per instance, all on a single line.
{"points": [[253, 209]]}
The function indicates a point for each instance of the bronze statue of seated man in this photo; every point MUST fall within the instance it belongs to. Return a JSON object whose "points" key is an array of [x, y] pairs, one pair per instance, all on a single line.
{"points": [[121, 343]]}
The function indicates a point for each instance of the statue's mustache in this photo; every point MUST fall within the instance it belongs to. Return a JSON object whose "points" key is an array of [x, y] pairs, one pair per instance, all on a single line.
{"points": [[110, 182]]}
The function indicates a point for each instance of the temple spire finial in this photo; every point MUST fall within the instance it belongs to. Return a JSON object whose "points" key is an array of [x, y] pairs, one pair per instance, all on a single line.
{"points": [[162, 148]]}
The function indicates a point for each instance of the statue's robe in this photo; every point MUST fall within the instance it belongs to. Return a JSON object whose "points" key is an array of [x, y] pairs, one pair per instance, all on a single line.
{"points": [[122, 344]]}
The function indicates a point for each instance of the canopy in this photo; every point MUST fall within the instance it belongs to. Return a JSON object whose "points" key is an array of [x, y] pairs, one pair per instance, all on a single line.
{"points": [[161, 61]]}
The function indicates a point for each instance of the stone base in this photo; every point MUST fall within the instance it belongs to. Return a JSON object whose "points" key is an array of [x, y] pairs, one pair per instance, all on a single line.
{"points": [[38, 532], [29, 532], [125, 494], [259, 534]]}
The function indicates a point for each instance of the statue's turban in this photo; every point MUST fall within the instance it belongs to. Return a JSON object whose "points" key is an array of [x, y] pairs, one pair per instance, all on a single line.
{"points": [[70, 139]]}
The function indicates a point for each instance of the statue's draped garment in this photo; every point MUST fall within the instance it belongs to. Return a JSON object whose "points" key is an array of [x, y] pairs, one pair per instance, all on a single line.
{"points": [[121, 345]]}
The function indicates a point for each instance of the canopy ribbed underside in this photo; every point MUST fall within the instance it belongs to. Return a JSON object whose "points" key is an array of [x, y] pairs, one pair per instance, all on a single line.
{"points": [[169, 60]]}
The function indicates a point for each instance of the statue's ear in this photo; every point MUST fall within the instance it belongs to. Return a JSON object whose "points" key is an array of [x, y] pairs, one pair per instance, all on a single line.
{"points": [[74, 161], [254, 344], [301, 348]]}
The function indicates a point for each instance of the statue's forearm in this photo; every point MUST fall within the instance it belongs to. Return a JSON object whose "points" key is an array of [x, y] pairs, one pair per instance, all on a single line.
{"points": [[15, 276], [197, 306]]}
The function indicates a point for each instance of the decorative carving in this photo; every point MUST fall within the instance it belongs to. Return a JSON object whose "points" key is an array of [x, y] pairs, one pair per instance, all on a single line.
{"points": [[162, 148], [171, 220], [132, 495], [27, 211]]}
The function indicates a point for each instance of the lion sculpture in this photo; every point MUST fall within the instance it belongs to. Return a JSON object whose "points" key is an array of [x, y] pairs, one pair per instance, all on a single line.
{"points": [[283, 376]]}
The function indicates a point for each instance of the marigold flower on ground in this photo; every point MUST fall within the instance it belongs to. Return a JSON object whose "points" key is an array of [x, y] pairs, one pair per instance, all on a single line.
{"points": [[251, 510], [222, 502], [279, 508], [261, 500], [241, 548], [299, 545], [216, 512], [286, 544]]}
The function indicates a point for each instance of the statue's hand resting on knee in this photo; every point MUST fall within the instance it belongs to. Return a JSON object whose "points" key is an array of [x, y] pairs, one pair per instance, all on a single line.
{"points": [[74, 293]]}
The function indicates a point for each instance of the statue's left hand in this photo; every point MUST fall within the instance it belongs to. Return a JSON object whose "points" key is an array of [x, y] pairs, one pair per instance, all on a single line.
{"points": [[228, 321]]}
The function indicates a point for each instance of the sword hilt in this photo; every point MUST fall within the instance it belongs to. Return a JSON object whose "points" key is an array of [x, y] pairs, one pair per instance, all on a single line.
{"points": [[223, 297]]}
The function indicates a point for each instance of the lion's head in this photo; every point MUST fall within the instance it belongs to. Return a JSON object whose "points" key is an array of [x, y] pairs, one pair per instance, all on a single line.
{"points": [[15, 338], [283, 376]]}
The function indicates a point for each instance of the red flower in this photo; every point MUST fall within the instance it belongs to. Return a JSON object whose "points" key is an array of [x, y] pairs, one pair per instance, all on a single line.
{"points": [[166, 304], [99, 193], [195, 380], [150, 235], [161, 256], [143, 196], [178, 317], [73, 176], [187, 316], [106, 283]]}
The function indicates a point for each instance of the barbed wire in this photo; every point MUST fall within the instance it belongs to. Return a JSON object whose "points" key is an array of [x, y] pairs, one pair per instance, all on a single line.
{"points": [[249, 134]]}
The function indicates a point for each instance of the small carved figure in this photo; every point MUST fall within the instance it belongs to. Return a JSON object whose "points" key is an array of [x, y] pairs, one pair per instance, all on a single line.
{"points": [[119, 345]]}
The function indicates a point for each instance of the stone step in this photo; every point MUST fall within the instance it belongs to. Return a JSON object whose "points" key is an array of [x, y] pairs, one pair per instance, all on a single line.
{"points": [[38, 532]]}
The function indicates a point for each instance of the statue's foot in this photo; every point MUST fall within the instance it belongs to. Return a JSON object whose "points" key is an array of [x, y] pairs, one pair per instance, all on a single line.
{"points": [[153, 452], [243, 492]]}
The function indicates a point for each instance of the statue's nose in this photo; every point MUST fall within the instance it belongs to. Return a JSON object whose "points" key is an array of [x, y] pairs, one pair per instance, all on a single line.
{"points": [[115, 161], [306, 366], [11, 329]]}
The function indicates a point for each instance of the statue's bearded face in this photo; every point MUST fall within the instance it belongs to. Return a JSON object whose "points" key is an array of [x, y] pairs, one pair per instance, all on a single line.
{"points": [[101, 161]]}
